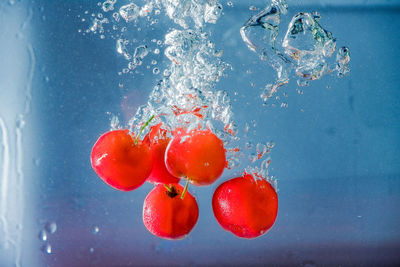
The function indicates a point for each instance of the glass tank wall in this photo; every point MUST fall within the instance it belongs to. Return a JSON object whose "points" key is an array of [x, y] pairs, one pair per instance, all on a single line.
{"points": [[309, 100]]}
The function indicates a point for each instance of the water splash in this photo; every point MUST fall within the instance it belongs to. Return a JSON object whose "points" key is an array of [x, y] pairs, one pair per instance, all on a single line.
{"points": [[195, 13], [309, 45], [260, 33], [186, 97], [306, 47]]}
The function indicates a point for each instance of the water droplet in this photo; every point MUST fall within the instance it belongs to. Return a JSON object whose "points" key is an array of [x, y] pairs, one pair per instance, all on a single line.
{"points": [[36, 162], [95, 230], [46, 248], [42, 235], [156, 51], [51, 227]]}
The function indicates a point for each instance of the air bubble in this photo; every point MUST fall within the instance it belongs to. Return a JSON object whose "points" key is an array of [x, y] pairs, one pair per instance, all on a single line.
{"points": [[108, 5], [129, 12], [156, 71], [95, 230]]}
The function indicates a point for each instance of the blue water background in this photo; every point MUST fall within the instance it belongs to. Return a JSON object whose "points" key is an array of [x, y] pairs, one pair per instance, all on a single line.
{"points": [[336, 157]]}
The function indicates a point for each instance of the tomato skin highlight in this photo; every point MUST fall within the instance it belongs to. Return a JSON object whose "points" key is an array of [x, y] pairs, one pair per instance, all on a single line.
{"points": [[198, 155], [120, 161], [245, 207], [168, 216]]}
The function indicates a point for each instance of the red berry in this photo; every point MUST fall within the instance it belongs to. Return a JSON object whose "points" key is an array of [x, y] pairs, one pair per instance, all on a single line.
{"points": [[245, 206], [198, 155], [168, 216], [120, 160], [158, 144]]}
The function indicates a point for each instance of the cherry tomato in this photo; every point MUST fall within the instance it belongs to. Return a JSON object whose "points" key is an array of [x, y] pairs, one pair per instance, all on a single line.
{"points": [[167, 215], [245, 206], [120, 161], [198, 155], [158, 141]]}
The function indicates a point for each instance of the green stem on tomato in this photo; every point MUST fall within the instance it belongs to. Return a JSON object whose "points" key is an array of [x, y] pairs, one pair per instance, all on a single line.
{"points": [[168, 188], [143, 127], [186, 188]]}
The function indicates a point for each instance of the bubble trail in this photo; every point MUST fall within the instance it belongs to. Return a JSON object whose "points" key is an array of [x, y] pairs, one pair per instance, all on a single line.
{"points": [[187, 96]]}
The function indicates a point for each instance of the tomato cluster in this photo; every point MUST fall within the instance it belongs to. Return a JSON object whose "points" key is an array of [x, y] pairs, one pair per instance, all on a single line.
{"points": [[244, 206]]}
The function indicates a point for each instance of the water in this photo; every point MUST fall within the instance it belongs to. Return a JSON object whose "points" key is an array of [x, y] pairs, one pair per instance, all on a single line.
{"points": [[328, 144]]}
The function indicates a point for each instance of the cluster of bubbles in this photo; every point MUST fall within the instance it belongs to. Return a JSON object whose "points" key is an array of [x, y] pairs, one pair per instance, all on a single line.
{"points": [[113, 23], [306, 49], [186, 96]]}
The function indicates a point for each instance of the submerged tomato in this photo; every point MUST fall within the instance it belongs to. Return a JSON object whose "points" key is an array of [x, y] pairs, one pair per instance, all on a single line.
{"points": [[198, 155], [168, 216], [245, 206], [120, 161], [159, 141]]}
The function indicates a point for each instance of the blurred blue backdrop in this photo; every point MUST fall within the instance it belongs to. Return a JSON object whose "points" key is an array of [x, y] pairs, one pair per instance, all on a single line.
{"points": [[336, 154]]}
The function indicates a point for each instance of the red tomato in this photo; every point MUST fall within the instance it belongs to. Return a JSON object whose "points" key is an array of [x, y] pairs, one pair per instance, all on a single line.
{"points": [[158, 143], [245, 206], [168, 216], [198, 155], [120, 161]]}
